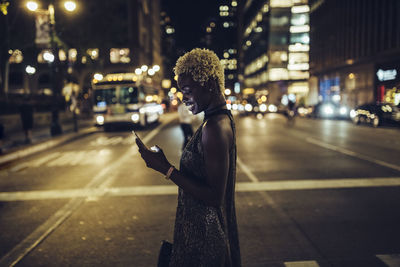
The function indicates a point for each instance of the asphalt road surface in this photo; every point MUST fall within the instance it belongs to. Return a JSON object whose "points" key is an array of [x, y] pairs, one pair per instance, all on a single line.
{"points": [[316, 193]]}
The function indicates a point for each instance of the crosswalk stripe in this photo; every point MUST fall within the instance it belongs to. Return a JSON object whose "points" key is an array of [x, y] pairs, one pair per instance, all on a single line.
{"points": [[301, 264], [172, 189], [390, 260]]}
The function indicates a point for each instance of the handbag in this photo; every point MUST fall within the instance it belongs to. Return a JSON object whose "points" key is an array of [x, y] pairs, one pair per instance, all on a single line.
{"points": [[165, 254]]}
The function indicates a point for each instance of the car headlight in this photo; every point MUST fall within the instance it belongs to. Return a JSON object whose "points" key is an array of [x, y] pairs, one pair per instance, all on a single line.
{"points": [[135, 117], [353, 113], [343, 111], [263, 107], [272, 108], [327, 110], [100, 119], [248, 107]]}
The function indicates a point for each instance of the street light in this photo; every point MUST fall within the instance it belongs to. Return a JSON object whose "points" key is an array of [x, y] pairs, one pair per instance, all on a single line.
{"points": [[32, 6], [52, 58], [70, 6]]}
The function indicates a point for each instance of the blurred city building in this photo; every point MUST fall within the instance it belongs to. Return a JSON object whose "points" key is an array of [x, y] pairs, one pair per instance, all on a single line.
{"points": [[355, 51], [273, 48], [98, 37], [220, 34]]}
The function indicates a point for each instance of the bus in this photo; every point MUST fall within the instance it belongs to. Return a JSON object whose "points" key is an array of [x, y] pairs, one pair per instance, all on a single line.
{"points": [[122, 98]]}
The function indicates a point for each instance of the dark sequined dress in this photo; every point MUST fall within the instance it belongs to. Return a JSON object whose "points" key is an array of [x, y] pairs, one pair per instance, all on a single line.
{"points": [[205, 235]]}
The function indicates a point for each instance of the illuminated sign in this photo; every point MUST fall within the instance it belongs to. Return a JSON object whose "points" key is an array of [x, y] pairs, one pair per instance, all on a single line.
{"points": [[386, 75]]}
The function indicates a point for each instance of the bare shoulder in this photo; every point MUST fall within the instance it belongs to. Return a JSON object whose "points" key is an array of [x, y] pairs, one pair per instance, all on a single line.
{"points": [[218, 130]]}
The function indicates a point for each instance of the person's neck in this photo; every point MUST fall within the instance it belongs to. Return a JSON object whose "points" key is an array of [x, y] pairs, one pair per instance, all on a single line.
{"points": [[217, 104]]}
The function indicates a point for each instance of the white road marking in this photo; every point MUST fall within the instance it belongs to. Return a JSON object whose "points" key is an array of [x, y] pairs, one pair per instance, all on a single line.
{"points": [[246, 170], [40, 233], [301, 264], [103, 190], [353, 154], [390, 260], [42, 160], [19, 167]]}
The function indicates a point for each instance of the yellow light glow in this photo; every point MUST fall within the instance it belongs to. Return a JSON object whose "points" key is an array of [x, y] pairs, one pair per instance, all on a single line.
{"points": [[149, 98], [300, 9], [263, 98], [299, 28], [156, 68], [351, 75], [299, 48], [98, 76], [176, 77], [138, 71], [70, 6], [173, 90], [32, 5], [166, 83], [179, 95], [248, 91], [174, 102], [144, 68]]}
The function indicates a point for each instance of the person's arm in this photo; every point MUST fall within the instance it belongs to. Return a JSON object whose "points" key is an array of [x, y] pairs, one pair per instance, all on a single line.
{"points": [[216, 140]]}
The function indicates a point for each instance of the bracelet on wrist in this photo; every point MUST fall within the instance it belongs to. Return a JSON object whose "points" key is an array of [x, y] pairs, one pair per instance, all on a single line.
{"points": [[169, 172]]}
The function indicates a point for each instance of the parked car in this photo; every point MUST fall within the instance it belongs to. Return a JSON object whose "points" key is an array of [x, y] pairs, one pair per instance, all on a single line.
{"points": [[376, 114], [330, 110]]}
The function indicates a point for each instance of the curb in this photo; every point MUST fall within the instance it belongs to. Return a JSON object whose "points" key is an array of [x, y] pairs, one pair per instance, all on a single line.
{"points": [[27, 151]]}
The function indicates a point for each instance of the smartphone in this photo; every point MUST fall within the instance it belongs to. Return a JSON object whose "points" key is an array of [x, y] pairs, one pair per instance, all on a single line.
{"points": [[155, 149], [137, 136]]}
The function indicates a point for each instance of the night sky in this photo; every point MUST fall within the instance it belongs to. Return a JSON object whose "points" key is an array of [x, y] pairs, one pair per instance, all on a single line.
{"points": [[188, 18]]}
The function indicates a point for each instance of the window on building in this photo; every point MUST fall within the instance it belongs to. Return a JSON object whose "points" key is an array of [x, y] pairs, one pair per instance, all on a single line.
{"points": [[62, 55], [279, 21], [278, 57], [16, 56], [277, 74], [300, 19], [72, 54], [303, 38], [93, 53], [295, 58], [43, 56], [281, 3], [298, 75], [119, 55], [278, 39]]}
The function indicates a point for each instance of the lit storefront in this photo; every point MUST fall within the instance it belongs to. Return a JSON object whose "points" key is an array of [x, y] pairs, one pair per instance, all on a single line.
{"points": [[387, 78]]}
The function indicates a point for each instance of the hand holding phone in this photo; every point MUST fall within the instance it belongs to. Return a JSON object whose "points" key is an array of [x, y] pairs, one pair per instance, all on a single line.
{"points": [[138, 138], [155, 148]]}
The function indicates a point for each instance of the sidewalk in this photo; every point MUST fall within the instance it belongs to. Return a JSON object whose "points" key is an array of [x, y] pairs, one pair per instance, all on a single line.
{"points": [[14, 146]]}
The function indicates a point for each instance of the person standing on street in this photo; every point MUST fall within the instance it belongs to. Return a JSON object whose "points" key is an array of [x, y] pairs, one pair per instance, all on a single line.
{"points": [[205, 226], [1, 137], [26, 113], [185, 119]]}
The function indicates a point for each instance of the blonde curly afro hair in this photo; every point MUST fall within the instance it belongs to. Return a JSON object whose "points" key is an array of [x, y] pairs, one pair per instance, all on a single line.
{"points": [[203, 65]]}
